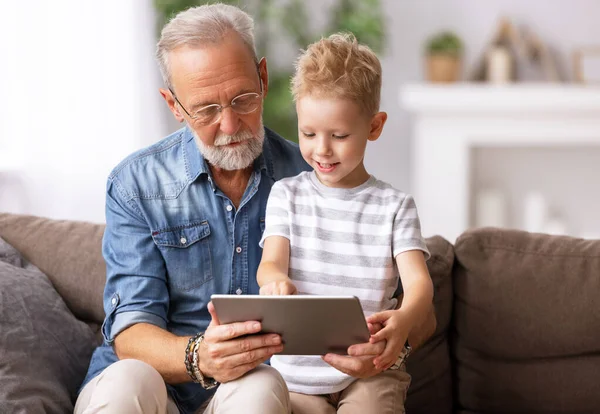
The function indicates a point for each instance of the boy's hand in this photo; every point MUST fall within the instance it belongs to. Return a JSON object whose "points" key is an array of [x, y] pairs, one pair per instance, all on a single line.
{"points": [[394, 331], [278, 287]]}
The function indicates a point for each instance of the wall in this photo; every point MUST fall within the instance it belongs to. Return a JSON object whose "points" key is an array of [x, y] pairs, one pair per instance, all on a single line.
{"points": [[79, 94], [562, 24], [80, 87]]}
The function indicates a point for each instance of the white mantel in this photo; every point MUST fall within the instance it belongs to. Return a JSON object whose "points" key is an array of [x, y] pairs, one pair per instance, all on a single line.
{"points": [[450, 120]]}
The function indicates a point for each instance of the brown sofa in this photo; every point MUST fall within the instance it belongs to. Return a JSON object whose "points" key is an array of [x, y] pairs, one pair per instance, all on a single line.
{"points": [[518, 319]]}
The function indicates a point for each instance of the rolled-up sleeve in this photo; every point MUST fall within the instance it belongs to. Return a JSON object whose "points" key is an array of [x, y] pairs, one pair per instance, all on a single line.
{"points": [[136, 284]]}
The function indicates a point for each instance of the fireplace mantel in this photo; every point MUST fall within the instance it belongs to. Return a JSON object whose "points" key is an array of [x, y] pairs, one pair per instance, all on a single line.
{"points": [[450, 120]]}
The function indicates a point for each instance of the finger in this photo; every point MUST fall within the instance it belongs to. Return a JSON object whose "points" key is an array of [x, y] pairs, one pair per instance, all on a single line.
{"points": [[348, 365], [265, 290], [214, 321], [242, 345], [259, 355], [385, 333], [359, 367], [374, 327], [233, 330], [380, 317], [367, 349], [292, 289], [388, 356], [388, 366]]}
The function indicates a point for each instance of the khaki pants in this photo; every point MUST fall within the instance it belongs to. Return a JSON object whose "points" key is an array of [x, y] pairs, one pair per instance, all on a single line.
{"points": [[131, 386], [383, 393]]}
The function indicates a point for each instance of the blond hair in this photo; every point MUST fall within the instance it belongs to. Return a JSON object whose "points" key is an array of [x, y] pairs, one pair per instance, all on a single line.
{"points": [[339, 67], [203, 25]]}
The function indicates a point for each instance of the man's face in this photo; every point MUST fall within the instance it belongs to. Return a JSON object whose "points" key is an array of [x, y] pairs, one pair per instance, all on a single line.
{"points": [[216, 74]]}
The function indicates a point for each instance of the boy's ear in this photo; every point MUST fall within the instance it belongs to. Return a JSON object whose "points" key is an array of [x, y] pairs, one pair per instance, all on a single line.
{"points": [[377, 123]]}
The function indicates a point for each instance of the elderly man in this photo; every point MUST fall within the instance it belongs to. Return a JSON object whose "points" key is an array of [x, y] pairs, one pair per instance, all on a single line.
{"points": [[184, 218]]}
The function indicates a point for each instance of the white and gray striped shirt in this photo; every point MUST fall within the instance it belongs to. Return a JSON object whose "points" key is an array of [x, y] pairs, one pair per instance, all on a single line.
{"points": [[342, 242]]}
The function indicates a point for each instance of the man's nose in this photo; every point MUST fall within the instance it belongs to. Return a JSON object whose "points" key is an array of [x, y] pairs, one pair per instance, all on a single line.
{"points": [[230, 121]]}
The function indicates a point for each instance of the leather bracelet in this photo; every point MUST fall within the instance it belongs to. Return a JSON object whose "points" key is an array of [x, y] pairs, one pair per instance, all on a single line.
{"points": [[189, 357], [206, 382]]}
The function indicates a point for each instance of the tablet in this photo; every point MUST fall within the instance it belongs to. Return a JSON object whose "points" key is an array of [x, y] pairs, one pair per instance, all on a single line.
{"points": [[308, 325]]}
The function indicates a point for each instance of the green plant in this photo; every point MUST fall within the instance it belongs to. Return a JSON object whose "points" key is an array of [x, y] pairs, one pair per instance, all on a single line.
{"points": [[273, 19], [447, 43]]}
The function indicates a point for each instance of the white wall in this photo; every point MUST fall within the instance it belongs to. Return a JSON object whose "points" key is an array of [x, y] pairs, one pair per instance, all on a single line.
{"points": [[79, 94], [80, 87], [562, 24]]}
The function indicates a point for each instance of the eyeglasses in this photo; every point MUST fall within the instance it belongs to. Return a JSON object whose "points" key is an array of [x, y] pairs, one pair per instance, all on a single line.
{"points": [[243, 104]]}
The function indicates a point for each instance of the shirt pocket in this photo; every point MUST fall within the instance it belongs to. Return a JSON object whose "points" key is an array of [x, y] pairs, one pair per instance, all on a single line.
{"points": [[187, 253]]}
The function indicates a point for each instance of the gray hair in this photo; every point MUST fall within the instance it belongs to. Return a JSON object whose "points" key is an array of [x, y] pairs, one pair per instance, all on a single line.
{"points": [[201, 25]]}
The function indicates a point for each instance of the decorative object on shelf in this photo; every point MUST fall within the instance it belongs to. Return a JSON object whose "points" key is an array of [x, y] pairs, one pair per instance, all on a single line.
{"points": [[586, 65], [590, 235], [539, 59], [535, 211], [443, 57], [515, 55], [490, 208], [540, 218], [555, 225], [499, 65]]}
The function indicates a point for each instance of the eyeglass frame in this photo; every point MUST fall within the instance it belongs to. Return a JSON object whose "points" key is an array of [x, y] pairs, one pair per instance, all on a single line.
{"points": [[222, 107]]}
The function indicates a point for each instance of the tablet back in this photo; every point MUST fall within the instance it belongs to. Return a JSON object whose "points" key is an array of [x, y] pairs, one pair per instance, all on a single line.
{"points": [[308, 325]]}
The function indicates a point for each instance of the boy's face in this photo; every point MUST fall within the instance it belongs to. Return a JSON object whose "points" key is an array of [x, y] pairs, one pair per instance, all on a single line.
{"points": [[333, 135]]}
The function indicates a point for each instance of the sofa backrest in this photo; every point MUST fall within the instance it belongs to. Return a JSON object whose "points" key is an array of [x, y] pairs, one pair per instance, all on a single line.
{"points": [[526, 323], [69, 253], [430, 366]]}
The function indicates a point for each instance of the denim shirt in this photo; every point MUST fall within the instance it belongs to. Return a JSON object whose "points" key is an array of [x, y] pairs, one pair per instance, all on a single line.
{"points": [[173, 238]]}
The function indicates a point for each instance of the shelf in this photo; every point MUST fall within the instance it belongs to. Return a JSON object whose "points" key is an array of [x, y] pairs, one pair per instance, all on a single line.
{"points": [[450, 121], [516, 99]]}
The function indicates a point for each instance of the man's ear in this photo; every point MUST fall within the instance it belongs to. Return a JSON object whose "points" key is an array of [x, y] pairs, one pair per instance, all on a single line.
{"points": [[377, 123], [264, 75], [168, 97]]}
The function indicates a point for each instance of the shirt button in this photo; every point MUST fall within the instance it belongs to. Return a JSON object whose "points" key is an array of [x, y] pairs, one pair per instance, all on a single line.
{"points": [[183, 240], [238, 249], [238, 291], [229, 208], [114, 301]]}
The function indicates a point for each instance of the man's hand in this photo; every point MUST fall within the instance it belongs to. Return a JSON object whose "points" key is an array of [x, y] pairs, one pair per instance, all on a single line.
{"points": [[394, 332], [278, 287], [226, 353], [359, 363]]}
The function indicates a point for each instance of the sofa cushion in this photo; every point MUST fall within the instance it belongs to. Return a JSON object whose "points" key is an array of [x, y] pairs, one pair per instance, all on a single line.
{"points": [[80, 274], [44, 349], [526, 323], [429, 366]]}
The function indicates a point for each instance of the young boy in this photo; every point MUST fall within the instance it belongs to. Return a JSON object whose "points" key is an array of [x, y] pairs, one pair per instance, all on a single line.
{"points": [[338, 230]]}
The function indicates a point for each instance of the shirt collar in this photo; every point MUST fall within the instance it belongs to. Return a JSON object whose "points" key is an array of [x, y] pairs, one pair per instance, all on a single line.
{"points": [[195, 164]]}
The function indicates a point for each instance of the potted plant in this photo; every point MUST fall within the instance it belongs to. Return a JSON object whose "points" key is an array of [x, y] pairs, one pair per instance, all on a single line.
{"points": [[443, 59]]}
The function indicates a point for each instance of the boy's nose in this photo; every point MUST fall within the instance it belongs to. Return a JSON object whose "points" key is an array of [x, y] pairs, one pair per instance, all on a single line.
{"points": [[323, 148]]}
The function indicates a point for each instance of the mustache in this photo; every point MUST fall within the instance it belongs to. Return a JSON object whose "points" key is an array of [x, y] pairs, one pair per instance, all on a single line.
{"points": [[224, 139]]}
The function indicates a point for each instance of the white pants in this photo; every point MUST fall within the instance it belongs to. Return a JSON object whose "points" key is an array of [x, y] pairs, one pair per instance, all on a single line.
{"points": [[132, 386]]}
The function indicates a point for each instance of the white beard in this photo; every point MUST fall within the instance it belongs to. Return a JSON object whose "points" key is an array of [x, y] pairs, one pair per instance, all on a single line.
{"points": [[235, 158]]}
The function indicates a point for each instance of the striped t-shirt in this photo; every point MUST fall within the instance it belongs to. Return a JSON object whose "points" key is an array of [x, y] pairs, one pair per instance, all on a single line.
{"points": [[342, 242]]}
